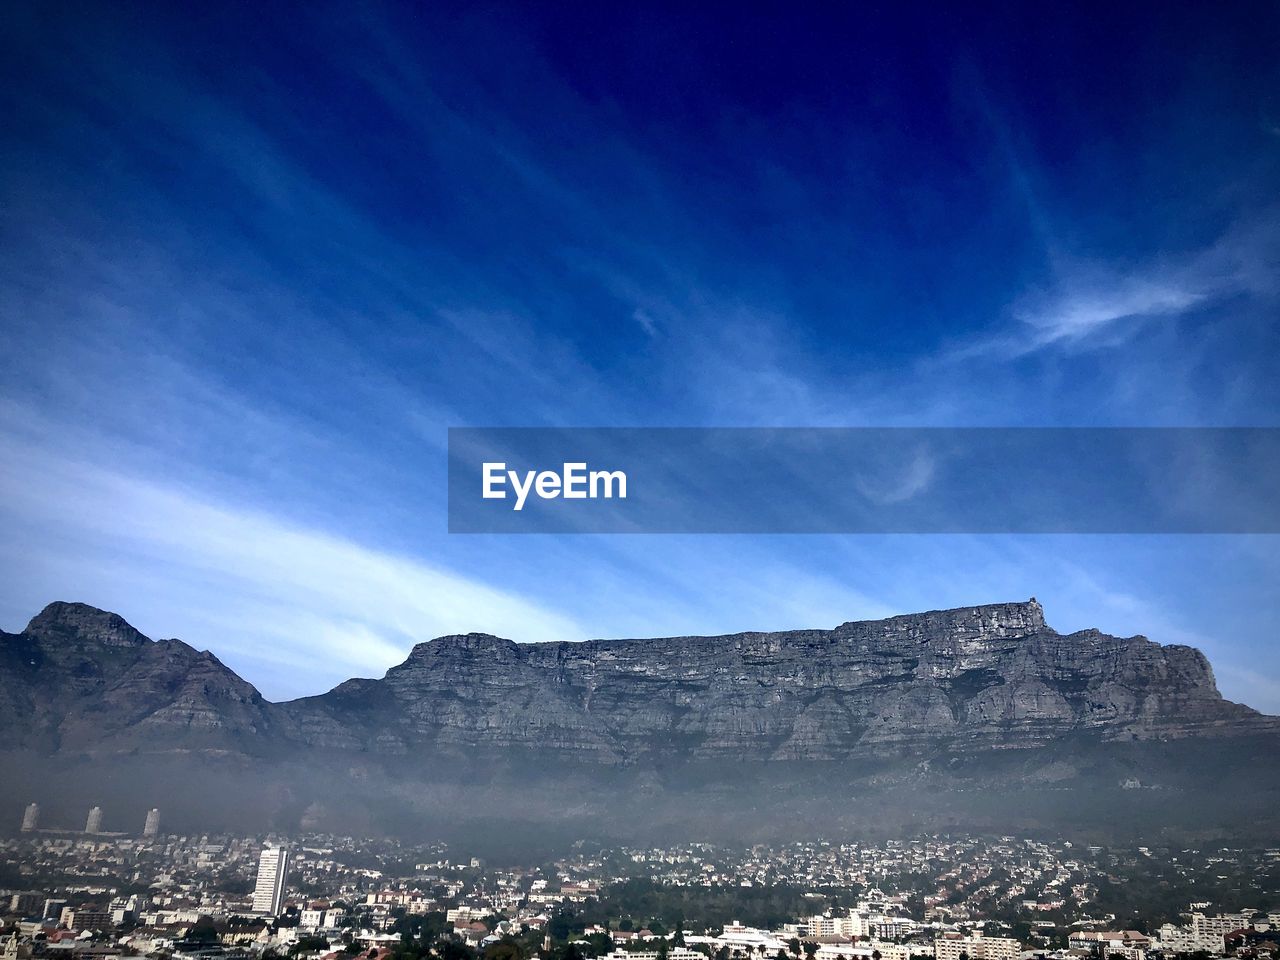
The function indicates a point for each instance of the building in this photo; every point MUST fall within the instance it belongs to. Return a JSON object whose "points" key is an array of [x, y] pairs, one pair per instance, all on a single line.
{"points": [[30, 817], [273, 870], [1210, 932], [748, 939], [894, 951], [852, 925], [976, 948], [462, 915], [1126, 944], [152, 827], [843, 950], [13, 950], [25, 902], [888, 928], [1175, 939], [87, 918], [93, 824], [1207, 934]]}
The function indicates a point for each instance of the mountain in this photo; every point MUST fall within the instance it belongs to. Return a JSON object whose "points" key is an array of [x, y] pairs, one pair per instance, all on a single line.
{"points": [[941, 717], [80, 679]]}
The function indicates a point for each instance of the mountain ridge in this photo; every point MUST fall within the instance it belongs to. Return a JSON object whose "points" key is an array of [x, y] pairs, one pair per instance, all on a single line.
{"points": [[966, 671], [963, 701]]}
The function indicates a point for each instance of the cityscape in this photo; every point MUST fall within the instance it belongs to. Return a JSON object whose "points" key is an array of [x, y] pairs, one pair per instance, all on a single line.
{"points": [[639, 481], [90, 894]]}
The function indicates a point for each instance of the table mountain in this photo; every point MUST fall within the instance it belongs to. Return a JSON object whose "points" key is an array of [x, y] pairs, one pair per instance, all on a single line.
{"points": [[954, 699]]}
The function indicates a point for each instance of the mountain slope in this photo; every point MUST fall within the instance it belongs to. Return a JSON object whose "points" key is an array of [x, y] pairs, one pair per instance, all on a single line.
{"points": [[83, 680]]}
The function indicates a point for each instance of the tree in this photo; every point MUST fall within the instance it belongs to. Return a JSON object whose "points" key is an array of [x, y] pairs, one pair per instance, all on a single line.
{"points": [[454, 950], [560, 925], [203, 930], [507, 948]]}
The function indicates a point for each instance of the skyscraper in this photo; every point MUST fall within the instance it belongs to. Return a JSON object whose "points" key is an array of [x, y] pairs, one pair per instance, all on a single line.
{"points": [[30, 817], [273, 869], [152, 827], [94, 823]]}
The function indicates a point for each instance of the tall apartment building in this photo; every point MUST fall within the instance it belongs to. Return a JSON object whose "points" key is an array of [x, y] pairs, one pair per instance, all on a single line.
{"points": [[152, 826], [273, 869], [850, 925], [30, 817], [1210, 932], [977, 948], [94, 822]]}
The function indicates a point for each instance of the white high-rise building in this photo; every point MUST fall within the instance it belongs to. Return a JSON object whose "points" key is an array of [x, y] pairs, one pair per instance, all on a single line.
{"points": [[152, 827], [94, 822], [273, 869], [30, 817]]}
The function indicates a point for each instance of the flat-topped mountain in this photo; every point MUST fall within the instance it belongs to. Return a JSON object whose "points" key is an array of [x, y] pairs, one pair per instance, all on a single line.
{"points": [[968, 679], [946, 689]]}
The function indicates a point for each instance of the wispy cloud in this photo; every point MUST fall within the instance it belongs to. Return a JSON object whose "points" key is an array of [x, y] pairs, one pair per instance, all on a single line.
{"points": [[1085, 309], [1090, 305], [260, 591]]}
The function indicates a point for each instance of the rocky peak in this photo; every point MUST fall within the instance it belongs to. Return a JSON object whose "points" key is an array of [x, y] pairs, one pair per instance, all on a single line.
{"points": [[79, 622], [991, 621], [483, 648], [466, 643]]}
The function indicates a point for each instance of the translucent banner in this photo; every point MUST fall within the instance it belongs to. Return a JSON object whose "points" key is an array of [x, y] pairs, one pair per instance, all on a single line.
{"points": [[864, 480]]}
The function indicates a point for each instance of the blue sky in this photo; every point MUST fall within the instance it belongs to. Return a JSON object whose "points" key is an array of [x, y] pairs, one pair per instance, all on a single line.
{"points": [[257, 261]]}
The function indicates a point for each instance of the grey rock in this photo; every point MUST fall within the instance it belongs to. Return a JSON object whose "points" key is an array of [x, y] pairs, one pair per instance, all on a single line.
{"points": [[965, 680]]}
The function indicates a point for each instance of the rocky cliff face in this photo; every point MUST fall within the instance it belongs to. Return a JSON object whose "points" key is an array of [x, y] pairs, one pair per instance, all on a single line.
{"points": [[978, 717], [964, 680]]}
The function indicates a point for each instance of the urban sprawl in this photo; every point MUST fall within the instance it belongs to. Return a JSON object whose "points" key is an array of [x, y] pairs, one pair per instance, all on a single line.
{"points": [[89, 894]]}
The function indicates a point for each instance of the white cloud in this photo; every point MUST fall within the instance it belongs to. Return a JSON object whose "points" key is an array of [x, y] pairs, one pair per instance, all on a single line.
{"points": [[1077, 313], [1091, 304], [264, 594]]}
